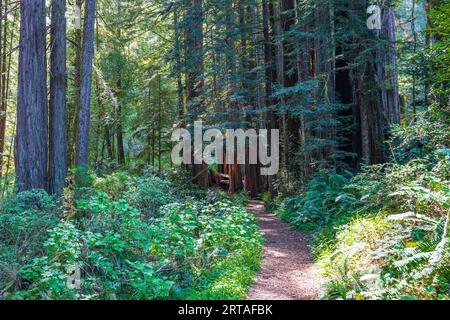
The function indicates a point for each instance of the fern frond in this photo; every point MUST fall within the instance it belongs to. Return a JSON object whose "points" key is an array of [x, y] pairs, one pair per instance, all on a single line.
{"points": [[412, 217]]}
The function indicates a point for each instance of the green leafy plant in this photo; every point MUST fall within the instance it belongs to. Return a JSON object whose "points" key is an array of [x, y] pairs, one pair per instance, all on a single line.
{"points": [[24, 222], [142, 245]]}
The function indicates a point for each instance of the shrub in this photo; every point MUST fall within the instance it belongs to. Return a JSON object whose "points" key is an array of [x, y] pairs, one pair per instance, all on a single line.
{"points": [[191, 249], [114, 184], [384, 232], [349, 259], [420, 140], [149, 194], [218, 195], [111, 245], [413, 194], [325, 199], [24, 222], [223, 257]]}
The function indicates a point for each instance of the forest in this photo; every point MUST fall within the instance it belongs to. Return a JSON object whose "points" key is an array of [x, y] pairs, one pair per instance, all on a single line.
{"points": [[347, 100]]}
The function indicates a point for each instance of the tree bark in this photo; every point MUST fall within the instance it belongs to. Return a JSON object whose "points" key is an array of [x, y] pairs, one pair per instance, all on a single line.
{"points": [[58, 134], [82, 158], [393, 96], [233, 168], [292, 122], [72, 120], [119, 127], [195, 82], [5, 78], [32, 115], [2, 80], [180, 94]]}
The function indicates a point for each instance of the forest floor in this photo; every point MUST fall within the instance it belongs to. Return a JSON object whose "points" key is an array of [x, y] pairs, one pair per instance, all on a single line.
{"points": [[287, 271]]}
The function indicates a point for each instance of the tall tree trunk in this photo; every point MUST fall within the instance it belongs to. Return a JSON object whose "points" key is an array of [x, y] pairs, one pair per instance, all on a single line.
{"points": [[370, 106], [72, 120], [195, 82], [58, 134], [303, 74], [387, 68], [270, 73], [414, 76], [364, 117], [5, 101], [119, 138], [32, 115], [118, 110], [98, 155], [181, 109], [82, 158], [391, 62], [292, 122], [250, 90], [3, 16], [109, 144], [428, 45], [159, 124], [119, 127], [5, 67], [233, 112]]}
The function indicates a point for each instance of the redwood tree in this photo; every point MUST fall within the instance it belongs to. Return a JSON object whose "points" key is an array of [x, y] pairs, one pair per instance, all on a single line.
{"points": [[32, 123], [194, 79], [58, 134], [82, 156]]}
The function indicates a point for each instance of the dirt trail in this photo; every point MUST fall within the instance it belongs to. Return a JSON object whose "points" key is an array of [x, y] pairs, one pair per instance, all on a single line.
{"points": [[288, 272]]}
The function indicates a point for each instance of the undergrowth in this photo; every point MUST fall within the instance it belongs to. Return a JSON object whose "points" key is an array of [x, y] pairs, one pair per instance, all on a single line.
{"points": [[384, 232], [127, 237]]}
